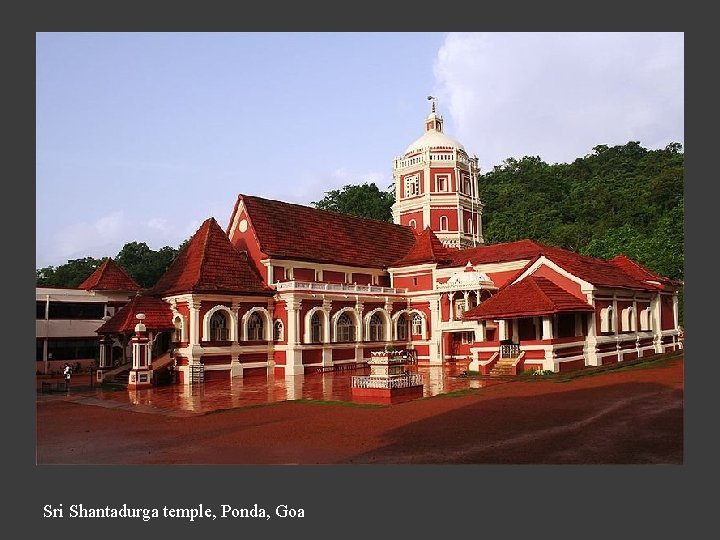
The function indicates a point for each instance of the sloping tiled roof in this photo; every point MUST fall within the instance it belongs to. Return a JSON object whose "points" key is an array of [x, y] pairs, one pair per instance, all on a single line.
{"points": [[158, 316], [495, 253], [109, 277], [293, 231], [599, 272], [533, 296], [639, 272], [210, 263], [427, 248]]}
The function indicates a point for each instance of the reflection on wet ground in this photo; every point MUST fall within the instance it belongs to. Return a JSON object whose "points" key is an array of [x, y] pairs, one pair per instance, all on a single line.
{"points": [[255, 390]]}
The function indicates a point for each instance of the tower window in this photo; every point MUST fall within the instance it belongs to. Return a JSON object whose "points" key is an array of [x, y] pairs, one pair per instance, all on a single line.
{"points": [[443, 223], [412, 186]]}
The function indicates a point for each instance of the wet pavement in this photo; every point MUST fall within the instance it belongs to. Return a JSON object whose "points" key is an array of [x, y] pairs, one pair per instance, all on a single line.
{"points": [[201, 398]]}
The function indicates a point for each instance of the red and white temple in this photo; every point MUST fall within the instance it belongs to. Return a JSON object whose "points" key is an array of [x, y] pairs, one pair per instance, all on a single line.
{"points": [[288, 289]]}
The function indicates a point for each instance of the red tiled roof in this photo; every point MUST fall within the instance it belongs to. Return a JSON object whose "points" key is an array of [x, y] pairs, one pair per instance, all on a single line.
{"points": [[109, 277], [639, 272], [599, 272], [427, 248], [158, 316], [210, 263], [293, 231], [509, 251], [533, 296]]}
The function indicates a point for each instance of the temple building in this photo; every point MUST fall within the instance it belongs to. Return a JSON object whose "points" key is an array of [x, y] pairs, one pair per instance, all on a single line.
{"points": [[286, 289]]}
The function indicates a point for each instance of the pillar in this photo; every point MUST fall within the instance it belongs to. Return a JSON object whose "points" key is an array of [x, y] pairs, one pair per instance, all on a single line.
{"points": [[293, 356], [141, 372], [105, 360]]}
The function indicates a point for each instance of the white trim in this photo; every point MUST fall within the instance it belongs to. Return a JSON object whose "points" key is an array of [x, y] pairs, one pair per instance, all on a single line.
{"points": [[232, 324], [386, 324], [267, 323], [324, 323]]}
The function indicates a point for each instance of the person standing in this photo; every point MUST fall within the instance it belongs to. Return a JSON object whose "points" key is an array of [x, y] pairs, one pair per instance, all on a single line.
{"points": [[67, 372]]}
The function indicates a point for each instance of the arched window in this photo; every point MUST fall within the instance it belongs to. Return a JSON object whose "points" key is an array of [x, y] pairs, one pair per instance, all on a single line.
{"points": [[417, 324], [255, 328], [219, 330], [412, 223], [278, 330], [345, 330], [402, 327], [470, 226], [443, 223], [376, 328], [316, 329]]}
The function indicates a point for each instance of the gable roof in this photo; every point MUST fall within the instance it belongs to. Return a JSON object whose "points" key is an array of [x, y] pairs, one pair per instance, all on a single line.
{"points": [[427, 248], [293, 231], [210, 263], [599, 272], [533, 296], [158, 316], [109, 277], [639, 272]]}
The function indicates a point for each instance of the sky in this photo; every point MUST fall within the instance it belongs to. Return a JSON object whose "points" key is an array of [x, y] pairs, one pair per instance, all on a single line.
{"points": [[140, 137]]}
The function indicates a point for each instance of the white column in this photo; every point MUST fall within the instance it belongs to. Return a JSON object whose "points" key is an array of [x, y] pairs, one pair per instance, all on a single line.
{"points": [[194, 306], [481, 331], [293, 355], [436, 345], [547, 327], [502, 329]]}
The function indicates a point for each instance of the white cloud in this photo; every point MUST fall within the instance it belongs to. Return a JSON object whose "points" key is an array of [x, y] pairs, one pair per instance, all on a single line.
{"points": [[559, 95]]}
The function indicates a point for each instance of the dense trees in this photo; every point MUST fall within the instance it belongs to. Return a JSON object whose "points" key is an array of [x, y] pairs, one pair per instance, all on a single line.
{"points": [[143, 264], [366, 200], [620, 199]]}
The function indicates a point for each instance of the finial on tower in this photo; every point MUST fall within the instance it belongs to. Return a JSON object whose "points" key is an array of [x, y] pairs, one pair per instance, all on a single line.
{"points": [[434, 101]]}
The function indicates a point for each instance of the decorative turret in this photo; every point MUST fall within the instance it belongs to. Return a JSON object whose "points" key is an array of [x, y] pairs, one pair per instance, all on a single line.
{"points": [[436, 186]]}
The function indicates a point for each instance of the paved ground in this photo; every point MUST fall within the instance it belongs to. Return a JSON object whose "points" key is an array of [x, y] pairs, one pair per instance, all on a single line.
{"points": [[623, 416]]}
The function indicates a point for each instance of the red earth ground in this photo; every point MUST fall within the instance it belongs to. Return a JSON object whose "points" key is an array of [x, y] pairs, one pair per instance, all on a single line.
{"points": [[632, 415]]}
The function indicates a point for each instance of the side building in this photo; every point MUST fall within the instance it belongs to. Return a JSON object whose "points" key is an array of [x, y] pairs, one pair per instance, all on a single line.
{"points": [[67, 319]]}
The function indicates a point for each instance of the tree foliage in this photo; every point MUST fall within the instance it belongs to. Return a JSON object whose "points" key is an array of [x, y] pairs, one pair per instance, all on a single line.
{"points": [[143, 264], [621, 199], [365, 200]]}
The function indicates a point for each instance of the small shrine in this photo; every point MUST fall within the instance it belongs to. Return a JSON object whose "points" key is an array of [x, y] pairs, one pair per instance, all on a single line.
{"points": [[389, 381]]}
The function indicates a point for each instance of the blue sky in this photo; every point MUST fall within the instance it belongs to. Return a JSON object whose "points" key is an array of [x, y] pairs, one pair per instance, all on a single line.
{"points": [[142, 136]]}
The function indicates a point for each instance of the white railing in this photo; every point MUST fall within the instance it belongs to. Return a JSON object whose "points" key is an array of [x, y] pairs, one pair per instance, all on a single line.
{"points": [[336, 287], [403, 381]]}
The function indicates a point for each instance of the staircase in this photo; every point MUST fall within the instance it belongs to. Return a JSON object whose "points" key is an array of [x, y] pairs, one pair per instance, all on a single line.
{"points": [[503, 368]]}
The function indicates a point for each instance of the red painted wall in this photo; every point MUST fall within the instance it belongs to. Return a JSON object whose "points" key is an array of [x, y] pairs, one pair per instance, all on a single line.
{"points": [[500, 278], [362, 279], [304, 274], [417, 216], [343, 354], [667, 318], [419, 282], [253, 357], [246, 242], [312, 356], [333, 277], [279, 273], [436, 214]]}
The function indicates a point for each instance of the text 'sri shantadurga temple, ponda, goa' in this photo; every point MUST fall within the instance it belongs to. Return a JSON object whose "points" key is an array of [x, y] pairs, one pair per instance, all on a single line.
{"points": [[286, 290]]}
